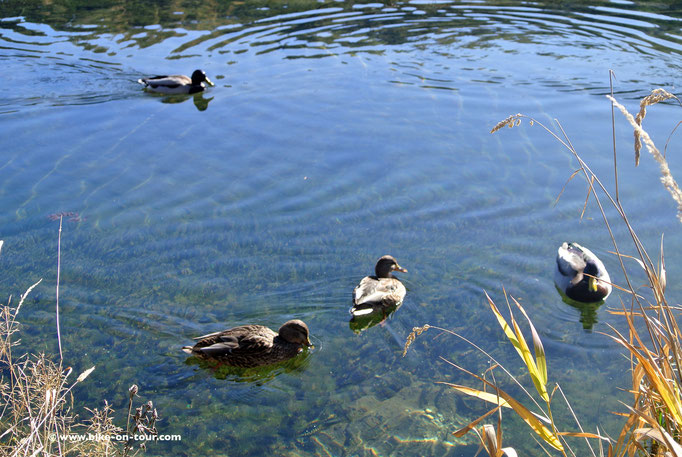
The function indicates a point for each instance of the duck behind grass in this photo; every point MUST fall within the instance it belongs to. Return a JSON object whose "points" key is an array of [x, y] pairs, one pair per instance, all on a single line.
{"points": [[580, 275], [249, 346], [381, 291], [177, 84]]}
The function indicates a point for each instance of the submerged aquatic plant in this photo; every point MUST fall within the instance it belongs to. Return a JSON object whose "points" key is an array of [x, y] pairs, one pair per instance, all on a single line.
{"points": [[37, 413], [70, 216], [653, 421]]}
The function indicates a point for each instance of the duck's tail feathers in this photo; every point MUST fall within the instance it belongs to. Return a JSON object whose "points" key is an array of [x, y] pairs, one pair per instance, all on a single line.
{"points": [[187, 349]]}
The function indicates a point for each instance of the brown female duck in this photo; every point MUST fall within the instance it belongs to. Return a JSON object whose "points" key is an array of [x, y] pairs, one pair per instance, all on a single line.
{"points": [[380, 291], [252, 345]]}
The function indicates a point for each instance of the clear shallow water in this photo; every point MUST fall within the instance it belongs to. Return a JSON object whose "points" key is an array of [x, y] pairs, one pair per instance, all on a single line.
{"points": [[337, 132]]}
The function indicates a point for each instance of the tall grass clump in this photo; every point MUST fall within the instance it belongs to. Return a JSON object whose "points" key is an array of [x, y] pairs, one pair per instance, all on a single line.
{"points": [[37, 411], [652, 419]]}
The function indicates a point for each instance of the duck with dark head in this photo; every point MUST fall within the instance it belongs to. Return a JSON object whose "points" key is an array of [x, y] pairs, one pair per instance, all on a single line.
{"points": [[252, 345], [176, 84], [381, 291], [580, 275]]}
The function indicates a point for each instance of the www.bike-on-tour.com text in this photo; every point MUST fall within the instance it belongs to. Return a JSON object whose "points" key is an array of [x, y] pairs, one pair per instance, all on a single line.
{"points": [[105, 437]]}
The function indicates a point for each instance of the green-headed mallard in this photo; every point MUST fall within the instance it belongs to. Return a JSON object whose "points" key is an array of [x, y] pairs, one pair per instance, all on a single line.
{"points": [[380, 291], [252, 345], [572, 261], [177, 84]]}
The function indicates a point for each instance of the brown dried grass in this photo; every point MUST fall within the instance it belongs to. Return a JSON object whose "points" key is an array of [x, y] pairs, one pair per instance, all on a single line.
{"points": [[37, 411]]}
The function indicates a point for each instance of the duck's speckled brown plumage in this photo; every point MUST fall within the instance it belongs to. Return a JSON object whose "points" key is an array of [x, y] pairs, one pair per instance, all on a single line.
{"points": [[252, 345]]}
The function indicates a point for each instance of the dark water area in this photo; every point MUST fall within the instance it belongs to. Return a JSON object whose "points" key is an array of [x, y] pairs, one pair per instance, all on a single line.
{"points": [[337, 132]]}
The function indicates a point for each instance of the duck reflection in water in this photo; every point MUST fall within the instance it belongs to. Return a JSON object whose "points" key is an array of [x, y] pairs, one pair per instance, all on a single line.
{"points": [[258, 375], [588, 311], [200, 101], [377, 316]]}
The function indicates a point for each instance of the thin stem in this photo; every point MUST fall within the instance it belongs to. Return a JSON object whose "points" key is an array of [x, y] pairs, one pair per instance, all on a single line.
{"points": [[59, 257], [613, 134]]}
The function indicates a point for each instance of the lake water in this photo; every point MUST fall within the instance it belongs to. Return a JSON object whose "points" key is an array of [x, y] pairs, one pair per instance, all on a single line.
{"points": [[337, 132]]}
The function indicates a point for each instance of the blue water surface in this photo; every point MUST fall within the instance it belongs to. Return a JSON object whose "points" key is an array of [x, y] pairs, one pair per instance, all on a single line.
{"points": [[337, 132]]}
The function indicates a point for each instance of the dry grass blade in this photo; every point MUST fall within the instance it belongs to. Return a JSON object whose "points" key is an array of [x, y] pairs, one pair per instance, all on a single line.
{"points": [[23, 297], [519, 343], [489, 440], [511, 121], [662, 277], [485, 396], [656, 96], [661, 437], [665, 148], [666, 177], [570, 178], [85, 374], [524, 413], [540, 357], [471, 425], [416, 331], [669, 394], [590, 189], [509, 452], [625, 256], [584, 435], [538, 379]]}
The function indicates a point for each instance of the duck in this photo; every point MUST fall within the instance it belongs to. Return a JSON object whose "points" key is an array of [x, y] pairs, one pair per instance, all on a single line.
{"points": [[574, 263], [177, 84], [252, 345], [381, 291]]}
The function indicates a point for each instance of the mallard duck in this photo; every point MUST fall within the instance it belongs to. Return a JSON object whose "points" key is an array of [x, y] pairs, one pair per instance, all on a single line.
{"points": [[252, 345], [380, 291], [572, 261], [177, 84]]}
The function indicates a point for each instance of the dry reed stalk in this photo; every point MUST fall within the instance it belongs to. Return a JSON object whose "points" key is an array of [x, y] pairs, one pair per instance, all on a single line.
{"points": [[656, 96], [59, 263], [666, 176], [511, 121]]}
